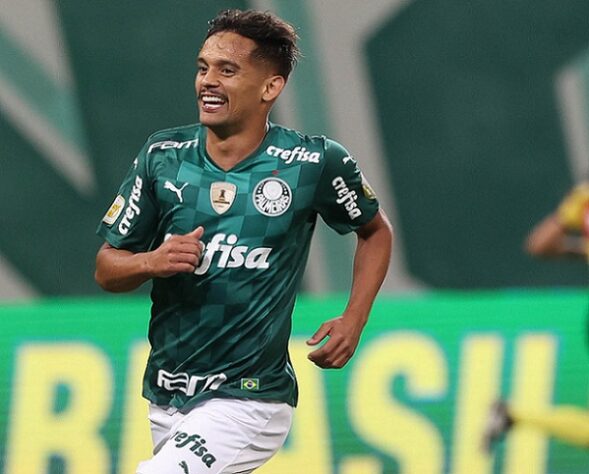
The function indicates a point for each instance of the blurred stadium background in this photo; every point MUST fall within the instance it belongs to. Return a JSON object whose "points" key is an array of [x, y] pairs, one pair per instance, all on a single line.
{"points": [[470, 119]]}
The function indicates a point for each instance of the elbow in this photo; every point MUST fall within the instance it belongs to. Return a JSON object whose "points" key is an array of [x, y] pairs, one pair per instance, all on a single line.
{"points": [[388, 232], [110, 286], [111, 278], [103, 274], [537, 247], [546, 239], [103, 282], [104, 278], [533, 249], [100, 276]]}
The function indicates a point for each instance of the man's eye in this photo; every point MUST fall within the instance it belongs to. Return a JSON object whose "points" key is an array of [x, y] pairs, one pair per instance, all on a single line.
{"points": [[228, 71]]}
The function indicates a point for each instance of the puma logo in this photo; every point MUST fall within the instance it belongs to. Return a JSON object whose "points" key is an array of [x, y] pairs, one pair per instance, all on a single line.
{"points": [[184, 467], [174, 189]]}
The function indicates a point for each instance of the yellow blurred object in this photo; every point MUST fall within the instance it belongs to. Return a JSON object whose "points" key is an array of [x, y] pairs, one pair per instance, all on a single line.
{"points": [[571, 212]]}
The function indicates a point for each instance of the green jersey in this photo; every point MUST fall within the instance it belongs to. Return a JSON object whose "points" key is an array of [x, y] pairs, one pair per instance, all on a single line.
{"points": [[223, 331]]}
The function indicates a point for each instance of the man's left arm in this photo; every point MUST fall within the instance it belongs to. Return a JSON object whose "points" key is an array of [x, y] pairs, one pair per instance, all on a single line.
{"points": [[371, 261]]}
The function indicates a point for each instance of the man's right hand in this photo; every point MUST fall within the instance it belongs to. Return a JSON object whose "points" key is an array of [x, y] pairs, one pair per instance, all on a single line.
{"points": [[177, 254]]}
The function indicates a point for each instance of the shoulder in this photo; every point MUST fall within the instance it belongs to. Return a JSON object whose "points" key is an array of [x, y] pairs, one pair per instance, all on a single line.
{"points": [[166, 147], [178, 131], [182, 137], [296, 137], [336, 151], [294, 146]]}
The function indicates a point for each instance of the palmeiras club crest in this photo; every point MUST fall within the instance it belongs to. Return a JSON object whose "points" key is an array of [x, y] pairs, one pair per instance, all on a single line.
{"points": [[272, 197], [222, 196]]}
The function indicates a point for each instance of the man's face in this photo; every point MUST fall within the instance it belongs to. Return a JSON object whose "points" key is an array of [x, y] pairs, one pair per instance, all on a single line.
{"points": [[230, 83]]}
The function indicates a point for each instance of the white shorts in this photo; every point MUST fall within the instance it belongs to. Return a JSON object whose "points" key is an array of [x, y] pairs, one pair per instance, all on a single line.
{"points": [[218, 436]]}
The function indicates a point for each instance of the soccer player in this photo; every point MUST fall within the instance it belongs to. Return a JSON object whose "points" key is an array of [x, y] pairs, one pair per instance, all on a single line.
{"points": [[219, 215], [564, 232]]}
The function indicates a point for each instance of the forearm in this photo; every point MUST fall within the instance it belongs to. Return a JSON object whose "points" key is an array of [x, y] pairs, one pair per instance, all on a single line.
{"points": [[120, 270], [371, 262], [550, 239]]}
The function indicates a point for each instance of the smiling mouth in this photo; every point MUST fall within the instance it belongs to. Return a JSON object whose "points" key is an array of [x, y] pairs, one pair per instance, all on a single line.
{"points": [[211, 103]]}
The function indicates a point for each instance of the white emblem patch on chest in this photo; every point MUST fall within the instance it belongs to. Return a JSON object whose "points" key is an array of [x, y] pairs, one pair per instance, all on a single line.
{"points": [[222, 196], [272, 197]]}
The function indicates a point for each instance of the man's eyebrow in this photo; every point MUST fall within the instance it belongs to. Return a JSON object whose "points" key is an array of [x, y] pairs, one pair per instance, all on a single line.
{"points": [[219, 63]]}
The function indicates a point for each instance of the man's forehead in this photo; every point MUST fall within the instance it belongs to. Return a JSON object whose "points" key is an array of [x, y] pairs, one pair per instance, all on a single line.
{"points": [[227, 44]]}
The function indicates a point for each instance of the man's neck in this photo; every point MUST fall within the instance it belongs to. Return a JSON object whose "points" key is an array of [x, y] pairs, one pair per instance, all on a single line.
{"points": [[230, 149]]}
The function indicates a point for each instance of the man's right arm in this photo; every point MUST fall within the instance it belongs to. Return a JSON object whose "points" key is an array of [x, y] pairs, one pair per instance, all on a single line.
{"points": [[119, 270], [563, 232]]}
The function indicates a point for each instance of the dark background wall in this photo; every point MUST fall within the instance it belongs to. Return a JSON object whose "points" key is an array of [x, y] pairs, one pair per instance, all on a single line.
{"points": [[466, 107]]}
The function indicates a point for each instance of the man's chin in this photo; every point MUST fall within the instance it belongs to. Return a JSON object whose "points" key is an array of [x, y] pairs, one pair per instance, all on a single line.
{"points": [[219, 127], [209, 120]]}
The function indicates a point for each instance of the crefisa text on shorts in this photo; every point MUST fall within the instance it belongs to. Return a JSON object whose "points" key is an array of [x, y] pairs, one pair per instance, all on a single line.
{"points": [[198, 449]]}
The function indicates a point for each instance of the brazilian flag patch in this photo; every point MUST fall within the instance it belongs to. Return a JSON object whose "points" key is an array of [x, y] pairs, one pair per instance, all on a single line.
{"points": [[250, 384]]}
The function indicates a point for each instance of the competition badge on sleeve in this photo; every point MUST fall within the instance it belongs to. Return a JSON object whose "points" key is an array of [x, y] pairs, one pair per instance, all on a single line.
{"points": [[367, 189], [114, 211]]}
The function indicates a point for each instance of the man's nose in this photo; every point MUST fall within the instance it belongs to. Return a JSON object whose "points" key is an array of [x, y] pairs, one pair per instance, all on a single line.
{"points": [[209, 78]]}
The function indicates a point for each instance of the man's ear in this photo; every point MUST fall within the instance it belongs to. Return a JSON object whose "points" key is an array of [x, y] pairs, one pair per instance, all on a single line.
{"points": [[272, 88]]}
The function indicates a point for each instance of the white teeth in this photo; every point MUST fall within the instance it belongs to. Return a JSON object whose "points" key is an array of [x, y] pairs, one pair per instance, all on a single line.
{"points": [[210, 99]]}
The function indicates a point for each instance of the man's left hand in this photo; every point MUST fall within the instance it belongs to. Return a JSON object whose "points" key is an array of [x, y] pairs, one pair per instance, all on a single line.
{"points": [[343, 335]]}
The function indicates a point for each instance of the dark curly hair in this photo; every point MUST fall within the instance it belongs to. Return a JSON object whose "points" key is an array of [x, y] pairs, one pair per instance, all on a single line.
{"points": [[275, 38]]}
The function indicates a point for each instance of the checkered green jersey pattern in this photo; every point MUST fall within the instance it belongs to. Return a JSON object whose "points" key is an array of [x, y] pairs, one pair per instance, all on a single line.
{"points": [[223, 331]]}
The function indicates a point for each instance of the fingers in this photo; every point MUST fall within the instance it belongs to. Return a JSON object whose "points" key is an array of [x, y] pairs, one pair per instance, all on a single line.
{"points": [[319, 335], [179, 268], [180, 246], [196, 233], [191, 247], [333, 354], [168, 262], [338, 349], [319, 358], [178, 254], [189, 257]]}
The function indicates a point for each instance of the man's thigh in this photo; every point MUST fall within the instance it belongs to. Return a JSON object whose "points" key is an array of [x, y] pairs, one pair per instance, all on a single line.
{"points": [[222, 436]]}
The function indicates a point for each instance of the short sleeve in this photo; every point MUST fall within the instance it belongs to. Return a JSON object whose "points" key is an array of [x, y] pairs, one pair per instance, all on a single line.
{"points": [[344, 199], [572, 209], [131, 221]]}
